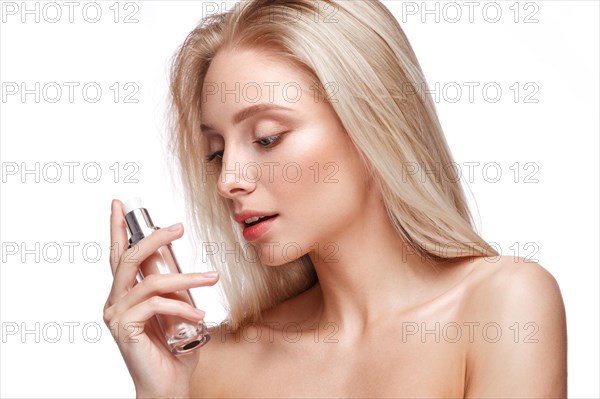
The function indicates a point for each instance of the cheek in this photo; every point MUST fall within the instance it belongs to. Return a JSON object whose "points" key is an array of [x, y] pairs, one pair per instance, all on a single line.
{"points": [[319, 188], [322, 183]]}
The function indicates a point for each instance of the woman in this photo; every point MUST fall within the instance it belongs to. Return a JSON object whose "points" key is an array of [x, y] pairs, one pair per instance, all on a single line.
{"points": [[305, 144]]}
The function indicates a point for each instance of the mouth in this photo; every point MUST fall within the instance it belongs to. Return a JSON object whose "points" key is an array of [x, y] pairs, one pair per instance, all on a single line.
{"points": [[257, 226], [257, 219]]}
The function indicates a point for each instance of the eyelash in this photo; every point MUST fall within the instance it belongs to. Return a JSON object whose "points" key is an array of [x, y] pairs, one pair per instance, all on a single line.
{"points": [[273, 140], [213, 155]]}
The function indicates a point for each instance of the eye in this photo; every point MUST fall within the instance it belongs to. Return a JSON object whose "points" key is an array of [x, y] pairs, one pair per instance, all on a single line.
{"points": [[216, 154], [268, 141]]}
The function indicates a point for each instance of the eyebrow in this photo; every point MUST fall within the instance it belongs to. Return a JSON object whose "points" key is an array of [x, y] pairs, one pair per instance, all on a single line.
{"points": [[248, 113]]}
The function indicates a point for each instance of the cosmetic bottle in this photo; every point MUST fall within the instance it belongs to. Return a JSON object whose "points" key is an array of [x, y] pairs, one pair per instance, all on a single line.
{"points": [[180, 334]]}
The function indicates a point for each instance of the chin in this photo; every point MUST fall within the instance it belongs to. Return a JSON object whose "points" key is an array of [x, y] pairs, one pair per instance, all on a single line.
{"points": [[271, 254], [275, 263], [274, 260]]}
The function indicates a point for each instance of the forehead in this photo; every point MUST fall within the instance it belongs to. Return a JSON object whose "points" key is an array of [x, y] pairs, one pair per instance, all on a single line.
{"points": [[252, 76], [249, 64]]}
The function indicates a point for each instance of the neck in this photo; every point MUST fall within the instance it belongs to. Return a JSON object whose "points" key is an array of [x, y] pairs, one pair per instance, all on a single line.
{"points": [[368, 271]]}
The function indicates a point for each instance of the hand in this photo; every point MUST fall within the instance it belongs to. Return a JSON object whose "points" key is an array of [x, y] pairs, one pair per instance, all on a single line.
{"points": [[130, 308]]}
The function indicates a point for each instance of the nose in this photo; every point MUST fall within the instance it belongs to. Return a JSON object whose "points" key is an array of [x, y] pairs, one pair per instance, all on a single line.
{"points": [[237, 176]]}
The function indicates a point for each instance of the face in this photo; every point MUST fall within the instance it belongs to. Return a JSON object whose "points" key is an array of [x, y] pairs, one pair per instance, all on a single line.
{"points": [[292, 178]]}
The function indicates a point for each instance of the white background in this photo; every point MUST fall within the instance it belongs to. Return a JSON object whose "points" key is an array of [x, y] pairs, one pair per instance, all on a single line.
{"points": [[548, 212]]}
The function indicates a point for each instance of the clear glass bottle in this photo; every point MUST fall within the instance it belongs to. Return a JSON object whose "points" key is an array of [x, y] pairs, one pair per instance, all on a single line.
{"points": [[181, 335]]}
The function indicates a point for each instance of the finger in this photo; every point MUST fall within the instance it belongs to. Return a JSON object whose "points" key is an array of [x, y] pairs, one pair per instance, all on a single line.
{"points": [[129, 264], [118, 234], [155, 285], [138, 316], [166, 306]]}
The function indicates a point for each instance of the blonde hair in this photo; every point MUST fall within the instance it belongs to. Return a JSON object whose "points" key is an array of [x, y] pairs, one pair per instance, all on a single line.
{"points": [[394, 125]]}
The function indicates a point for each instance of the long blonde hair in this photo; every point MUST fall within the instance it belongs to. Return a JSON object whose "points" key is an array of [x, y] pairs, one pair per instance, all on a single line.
{"points": [[376, 94]]}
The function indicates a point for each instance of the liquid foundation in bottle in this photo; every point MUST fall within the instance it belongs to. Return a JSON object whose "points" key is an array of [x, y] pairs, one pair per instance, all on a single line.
{"points": [[180, 334]]}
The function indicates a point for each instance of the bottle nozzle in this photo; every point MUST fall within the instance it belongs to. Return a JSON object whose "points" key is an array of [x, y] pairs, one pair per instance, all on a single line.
{"points": [[138, 220], [133, 203]]}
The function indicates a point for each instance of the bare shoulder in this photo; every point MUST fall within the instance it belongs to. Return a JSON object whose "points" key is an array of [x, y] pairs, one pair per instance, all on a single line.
{"points": [[518, 307], [516, 286], [210, 377], [223, 364]]}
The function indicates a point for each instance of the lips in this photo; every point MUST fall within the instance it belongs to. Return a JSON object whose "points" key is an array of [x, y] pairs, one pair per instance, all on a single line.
{"points": [[255, 224], [249, 216], [256, 220]]}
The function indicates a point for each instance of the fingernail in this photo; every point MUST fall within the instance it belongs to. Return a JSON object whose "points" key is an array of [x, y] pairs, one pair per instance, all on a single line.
{"points": [[175, 227], [211, 274], [202, 313]]}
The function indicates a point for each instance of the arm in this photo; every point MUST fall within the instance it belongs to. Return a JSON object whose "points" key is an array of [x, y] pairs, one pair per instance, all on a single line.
{"points": [[529, 360]]}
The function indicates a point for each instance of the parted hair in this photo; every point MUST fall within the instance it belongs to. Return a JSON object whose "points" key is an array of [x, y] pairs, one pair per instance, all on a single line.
{"points": [[358, 48]]}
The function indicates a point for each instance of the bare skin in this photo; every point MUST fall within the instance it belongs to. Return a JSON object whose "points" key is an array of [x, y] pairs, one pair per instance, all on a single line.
{"points": [[403, 354], [381, 322]]}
